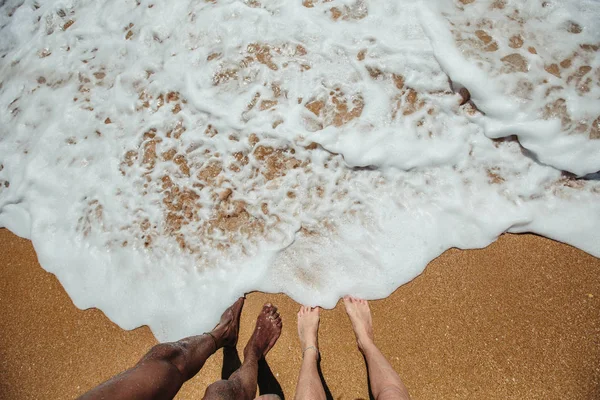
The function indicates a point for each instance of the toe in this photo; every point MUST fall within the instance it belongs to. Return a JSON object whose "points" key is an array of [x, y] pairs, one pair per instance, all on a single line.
{"points": [[271, 310]]}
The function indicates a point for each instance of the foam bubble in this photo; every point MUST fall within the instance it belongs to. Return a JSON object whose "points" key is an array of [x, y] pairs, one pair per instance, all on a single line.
{"points": [[164, 159]]}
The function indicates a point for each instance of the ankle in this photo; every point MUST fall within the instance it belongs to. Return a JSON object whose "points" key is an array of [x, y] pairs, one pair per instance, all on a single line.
{"points": [[214, 338], [308, 343], [252, 353], [311, 351], [365, 344], [218, 334]]}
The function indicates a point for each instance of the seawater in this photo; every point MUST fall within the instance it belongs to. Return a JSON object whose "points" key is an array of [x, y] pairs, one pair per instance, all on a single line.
{"points": [[167, 157]]}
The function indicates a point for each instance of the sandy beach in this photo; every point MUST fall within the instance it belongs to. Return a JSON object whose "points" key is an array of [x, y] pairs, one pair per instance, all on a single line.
{"points": [[517, 320]]}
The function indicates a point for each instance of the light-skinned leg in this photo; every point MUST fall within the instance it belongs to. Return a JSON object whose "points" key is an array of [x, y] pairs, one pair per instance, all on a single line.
{"points": [[384, 380], [309, 385]]}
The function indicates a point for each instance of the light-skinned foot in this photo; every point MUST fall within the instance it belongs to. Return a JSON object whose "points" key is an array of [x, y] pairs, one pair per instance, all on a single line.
{"points": [[308, 330], [266, 333], [360, 315], [226, 331]]}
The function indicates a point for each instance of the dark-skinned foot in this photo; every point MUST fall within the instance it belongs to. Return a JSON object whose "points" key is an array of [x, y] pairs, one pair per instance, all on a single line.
{"points": [[266, 333], [226, 331]]}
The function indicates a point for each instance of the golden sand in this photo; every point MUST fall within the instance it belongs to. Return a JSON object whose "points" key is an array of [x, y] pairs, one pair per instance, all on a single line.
{"points": [[517, 320]]}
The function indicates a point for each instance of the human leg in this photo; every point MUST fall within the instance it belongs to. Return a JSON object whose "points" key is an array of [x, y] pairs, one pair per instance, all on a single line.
{"points": [[242, 383], [162, 371], [385, 381], [309, 382]]}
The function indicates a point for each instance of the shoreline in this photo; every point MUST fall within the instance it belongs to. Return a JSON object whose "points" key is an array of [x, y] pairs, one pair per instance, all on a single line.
{"points": [[518, 319]]}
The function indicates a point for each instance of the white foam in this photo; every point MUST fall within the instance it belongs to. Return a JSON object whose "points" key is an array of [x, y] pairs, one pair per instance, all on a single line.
{"points": [[516, 83], [399, 173]]}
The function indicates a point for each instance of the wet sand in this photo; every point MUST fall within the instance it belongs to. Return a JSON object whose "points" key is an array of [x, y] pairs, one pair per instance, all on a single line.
{"points": [[517, 320]]}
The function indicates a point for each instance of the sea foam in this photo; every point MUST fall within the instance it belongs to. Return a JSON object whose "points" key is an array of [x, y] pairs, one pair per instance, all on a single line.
{"points": [[167, 157]]}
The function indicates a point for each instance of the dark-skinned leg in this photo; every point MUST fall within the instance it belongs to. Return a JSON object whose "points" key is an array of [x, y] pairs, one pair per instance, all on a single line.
{"points": [[242, 383], [162, 371]]}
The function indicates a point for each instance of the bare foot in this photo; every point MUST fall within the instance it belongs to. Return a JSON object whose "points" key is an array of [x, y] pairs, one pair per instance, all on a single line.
{"points": [[226, 331], [360, 316], [266, 333], [308, 328]]}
